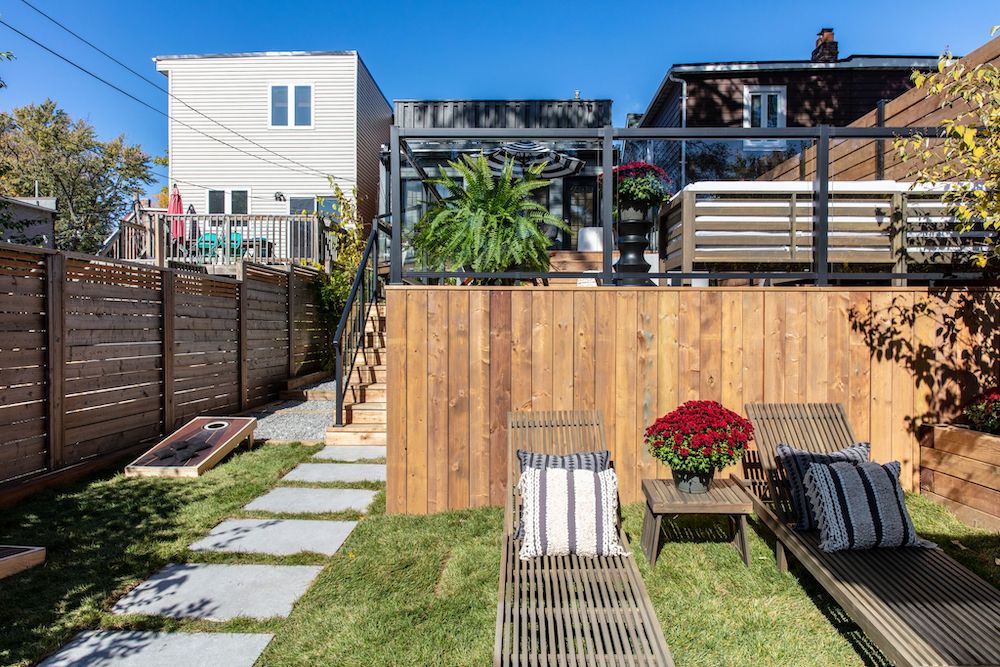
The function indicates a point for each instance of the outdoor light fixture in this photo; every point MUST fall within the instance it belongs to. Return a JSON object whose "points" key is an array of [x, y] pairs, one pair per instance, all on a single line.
{"points": [[279, 196]]}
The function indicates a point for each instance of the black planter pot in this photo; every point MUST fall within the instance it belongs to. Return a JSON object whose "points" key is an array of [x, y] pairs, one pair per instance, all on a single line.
{"points": [[633, 240], [692, 482]]}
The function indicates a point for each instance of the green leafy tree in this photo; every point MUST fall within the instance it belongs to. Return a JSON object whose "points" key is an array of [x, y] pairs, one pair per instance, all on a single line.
{"points": [[968, 156], [93, 180], [346, 242], [486, 223]]}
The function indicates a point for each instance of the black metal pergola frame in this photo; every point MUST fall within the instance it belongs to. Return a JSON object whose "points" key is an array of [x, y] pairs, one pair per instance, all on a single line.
{"points": [[606, 136]]}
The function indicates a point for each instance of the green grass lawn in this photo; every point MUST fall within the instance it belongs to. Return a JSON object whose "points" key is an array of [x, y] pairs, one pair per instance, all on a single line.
{"points": [[408, 590]]}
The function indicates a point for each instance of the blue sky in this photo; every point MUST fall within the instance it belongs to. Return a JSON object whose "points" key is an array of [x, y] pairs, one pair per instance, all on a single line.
{"points": [[456, 49]]}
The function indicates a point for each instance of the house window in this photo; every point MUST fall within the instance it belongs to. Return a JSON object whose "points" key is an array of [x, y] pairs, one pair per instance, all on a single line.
{"points": [[764, 107], [323, 204], [239, 202], [291, 105], [231, 201], [216, 201]]}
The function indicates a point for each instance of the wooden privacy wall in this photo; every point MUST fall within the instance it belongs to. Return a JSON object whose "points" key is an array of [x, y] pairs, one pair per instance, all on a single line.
{"points": [[854, 159], [97, 356], [460, 358]]}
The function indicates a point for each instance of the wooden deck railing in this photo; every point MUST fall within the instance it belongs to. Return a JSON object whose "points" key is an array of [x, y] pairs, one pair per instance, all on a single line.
{"points": [[758, 223], [166, 240]]}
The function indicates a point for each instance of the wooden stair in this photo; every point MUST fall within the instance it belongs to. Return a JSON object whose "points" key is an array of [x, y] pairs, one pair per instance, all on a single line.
{"points": [[364, 400]]}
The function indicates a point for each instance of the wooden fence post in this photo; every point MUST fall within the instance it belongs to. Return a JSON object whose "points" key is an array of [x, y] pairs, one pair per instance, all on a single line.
{"points": [[243, 358], [897, 237], [291, 322], [55, 305], [169, 300]]}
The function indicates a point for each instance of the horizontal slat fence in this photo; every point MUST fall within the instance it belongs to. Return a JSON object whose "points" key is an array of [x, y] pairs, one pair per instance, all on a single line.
{"points": [[460, 358], [98, 356]]}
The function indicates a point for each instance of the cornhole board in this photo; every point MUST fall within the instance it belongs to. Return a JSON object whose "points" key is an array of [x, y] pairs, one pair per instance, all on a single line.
{"points": [[16, 559], [193, 448]]}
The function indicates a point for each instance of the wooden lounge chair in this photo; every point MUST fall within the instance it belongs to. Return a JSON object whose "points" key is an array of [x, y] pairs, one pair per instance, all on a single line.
{"points": [[568, 610], [919, 606]]}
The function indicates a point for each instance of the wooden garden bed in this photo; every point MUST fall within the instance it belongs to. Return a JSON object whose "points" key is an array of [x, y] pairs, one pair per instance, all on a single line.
{"points": [[960, 468]]}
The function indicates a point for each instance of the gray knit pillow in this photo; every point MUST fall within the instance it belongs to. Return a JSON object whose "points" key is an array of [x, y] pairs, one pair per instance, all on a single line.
{"points": [[795, 462], [592, 461], [860, 506]]}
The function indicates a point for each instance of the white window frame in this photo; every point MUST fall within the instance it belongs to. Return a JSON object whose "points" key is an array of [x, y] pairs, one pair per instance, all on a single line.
{"points": [[227, 200], [290, 85], [765, 144]]}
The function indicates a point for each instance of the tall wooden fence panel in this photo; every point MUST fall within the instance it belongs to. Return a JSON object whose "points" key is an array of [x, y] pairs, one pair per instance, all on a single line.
{"points": [[460, 358], [113, 370], [24, 314], [267, 332], [311, 336], [206, 346], [98, 356]]}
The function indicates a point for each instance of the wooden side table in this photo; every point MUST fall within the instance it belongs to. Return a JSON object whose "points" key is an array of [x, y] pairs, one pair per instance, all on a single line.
{"points": [[726, 496]]}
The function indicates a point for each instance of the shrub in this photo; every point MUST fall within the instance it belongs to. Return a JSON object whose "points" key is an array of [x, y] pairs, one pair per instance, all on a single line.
{"points": [[641, 184], [984, 412], [486, 224], [699, 436]]}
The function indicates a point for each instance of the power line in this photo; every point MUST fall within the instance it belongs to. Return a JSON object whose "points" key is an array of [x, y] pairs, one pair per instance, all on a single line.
{"points": [[166, 90], [143, 102]]}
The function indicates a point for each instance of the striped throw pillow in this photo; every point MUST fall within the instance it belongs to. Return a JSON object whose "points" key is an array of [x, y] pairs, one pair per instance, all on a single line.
{"points": [[795, 462], [570, 512], [592, 461], [860, 506]]}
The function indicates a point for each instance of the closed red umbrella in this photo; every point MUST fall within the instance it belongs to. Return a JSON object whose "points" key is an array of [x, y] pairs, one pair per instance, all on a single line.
{"points": [[175, 207]]}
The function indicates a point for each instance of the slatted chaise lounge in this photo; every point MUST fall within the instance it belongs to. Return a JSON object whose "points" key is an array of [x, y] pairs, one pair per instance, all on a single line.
{"points": [[568, 610], [919, 606]]}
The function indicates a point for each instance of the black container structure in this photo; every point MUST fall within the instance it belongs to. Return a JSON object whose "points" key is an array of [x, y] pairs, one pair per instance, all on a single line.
{"points": [[633, 229]]}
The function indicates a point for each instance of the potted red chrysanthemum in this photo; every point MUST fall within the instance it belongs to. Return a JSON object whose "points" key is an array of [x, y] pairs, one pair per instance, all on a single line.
{"points": [[697, 439]]}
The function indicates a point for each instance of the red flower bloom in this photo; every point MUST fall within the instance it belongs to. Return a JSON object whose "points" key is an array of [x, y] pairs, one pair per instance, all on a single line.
{"points": [[703, 435]]}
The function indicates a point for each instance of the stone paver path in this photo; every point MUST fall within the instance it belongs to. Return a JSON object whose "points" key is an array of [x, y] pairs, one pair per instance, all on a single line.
{"points": [[219, 592], [277, 537], [350, 452], [336, 472], [297, 500], [160, 649]]}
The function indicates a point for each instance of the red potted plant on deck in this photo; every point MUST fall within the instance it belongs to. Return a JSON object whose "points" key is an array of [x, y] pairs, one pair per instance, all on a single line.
{"points": [[697, 439]]}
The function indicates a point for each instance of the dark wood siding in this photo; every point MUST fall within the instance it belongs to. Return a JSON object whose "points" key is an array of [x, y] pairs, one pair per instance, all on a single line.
{"points": [[502, 113], [832, 97]]}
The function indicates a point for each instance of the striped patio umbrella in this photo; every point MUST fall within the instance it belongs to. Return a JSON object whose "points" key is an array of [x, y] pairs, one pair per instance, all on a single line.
{"points": [[528, 153]]}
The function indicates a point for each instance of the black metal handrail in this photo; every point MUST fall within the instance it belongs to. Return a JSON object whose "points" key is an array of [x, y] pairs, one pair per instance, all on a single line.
{"points": [[348, 339]]}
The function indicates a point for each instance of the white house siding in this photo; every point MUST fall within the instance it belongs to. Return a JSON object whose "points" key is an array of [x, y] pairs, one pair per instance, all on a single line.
{"points": [[235, 91], [374, 119]]}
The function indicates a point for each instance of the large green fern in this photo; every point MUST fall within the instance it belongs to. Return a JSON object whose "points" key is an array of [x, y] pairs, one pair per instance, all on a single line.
{"points": [[487, 224]]}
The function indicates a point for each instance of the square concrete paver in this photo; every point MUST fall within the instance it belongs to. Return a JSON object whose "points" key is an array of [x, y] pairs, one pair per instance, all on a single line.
{"points": [[278, 537], [295, 500], [351, 452], [160, 649], [337, 472], [219, 592]]}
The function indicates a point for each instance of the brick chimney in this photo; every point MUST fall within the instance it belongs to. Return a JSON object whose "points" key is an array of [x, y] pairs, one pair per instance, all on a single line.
{"points": [[826, 50]]}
